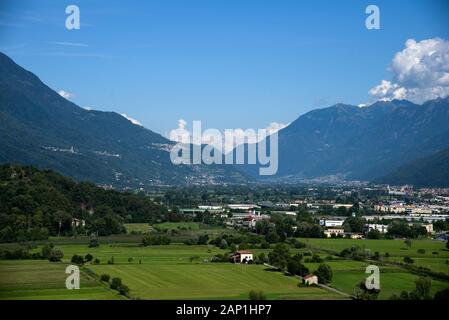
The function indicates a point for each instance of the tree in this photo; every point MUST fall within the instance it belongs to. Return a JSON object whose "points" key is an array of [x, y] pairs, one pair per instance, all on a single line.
{"points": [[88, 257], [56, 255], [280, 256], [447, 244], [373, 234], [105, 277], [76, 259], [442, 295], [423, 285], [363, 293], [293, 267], [408, 260], [116, 283], [123, 290], [354, 224], [324, 273]]}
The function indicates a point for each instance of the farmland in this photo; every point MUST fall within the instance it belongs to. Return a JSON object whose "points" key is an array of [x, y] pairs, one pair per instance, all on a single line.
{"points": [[434, 255], [179, 271], [35, 279]]}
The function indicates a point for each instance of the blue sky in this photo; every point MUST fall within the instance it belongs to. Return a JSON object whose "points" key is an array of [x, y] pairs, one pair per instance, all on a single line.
{"points": [[229, 63]]}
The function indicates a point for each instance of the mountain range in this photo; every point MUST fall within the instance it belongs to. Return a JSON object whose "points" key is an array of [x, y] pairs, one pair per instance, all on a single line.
{"points": [[41, 128], [360, 143]]}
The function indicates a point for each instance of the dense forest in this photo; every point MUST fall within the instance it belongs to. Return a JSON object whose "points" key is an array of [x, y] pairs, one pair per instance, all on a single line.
{"points": [[36, 204]]}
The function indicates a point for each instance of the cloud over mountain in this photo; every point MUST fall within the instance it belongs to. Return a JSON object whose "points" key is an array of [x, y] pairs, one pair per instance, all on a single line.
{"points": [[420, 72]]}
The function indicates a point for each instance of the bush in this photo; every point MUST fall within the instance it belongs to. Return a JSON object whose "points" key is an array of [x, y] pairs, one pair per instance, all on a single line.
{"points": [[116, 283], [88, 257], [105, 277], [97, 261], [76, 259], [408, 260], [123, 290], [149, 239], [256, 295], [442, 295], [56, 255]]}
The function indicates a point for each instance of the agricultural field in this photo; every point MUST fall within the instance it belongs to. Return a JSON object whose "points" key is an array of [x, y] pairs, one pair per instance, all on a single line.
{"points": [[158, 272], [209, 281], [179, 271], [434, 256], [39, 279], [137, 228]]}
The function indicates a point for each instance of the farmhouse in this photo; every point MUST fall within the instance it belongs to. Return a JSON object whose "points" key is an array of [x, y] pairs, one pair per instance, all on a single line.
{"points": [[243, 256], [310, 279]]}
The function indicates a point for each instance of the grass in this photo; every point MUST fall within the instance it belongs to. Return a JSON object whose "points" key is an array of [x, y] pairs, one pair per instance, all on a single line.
{"points": [[179, 271], [435, 257], [168, 226], [43, 280], [391, 282], [208, 281], [137, 228]]}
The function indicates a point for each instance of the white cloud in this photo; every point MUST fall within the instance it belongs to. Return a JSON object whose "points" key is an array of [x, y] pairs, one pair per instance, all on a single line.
{"points": [[66, 95], [133, 121], [64, 43], [181, 134], [420, 72], [218, 139], [275, 126]]}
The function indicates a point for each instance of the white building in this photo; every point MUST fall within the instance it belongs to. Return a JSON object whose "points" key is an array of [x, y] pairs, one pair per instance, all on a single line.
{"points": [[335, 231], [379, 227], [243, 256], [310, 279], [332, 222]]}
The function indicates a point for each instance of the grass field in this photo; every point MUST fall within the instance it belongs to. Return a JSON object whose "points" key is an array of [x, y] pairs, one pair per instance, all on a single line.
{"points": [[179, 271], [37, 279], [435, 257], [137, 227], [168, 226], [208, 281]]}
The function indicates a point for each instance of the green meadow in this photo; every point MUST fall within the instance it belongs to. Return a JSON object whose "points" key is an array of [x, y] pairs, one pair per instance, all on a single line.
{"points": [[435, 256], [38, 279], [179, 271]]}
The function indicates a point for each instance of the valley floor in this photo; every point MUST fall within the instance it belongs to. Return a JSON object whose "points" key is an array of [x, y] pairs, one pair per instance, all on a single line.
{"points": [[181, 272]]}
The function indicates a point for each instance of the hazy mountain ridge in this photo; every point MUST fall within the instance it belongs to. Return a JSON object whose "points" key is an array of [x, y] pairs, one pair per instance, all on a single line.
{"points": [[361, 143], [41, 128], [430, 171]]}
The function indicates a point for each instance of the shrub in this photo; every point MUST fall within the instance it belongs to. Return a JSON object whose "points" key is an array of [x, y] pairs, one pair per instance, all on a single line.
{"points": [[105, 277], [149, 239], [76, 259], [256, 295], [56, 255], [408, 260], [88, 257], [116, 283]]}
